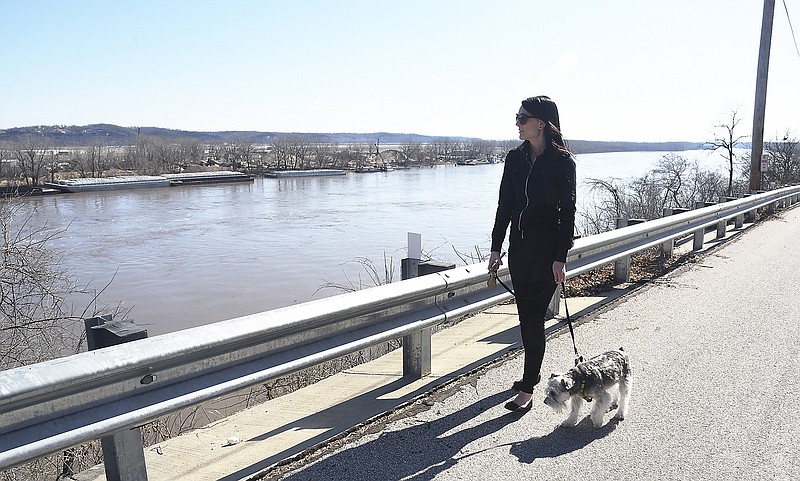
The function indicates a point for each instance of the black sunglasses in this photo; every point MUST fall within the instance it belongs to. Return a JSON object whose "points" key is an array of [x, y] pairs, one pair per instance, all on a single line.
{"points": [[522, 118]]}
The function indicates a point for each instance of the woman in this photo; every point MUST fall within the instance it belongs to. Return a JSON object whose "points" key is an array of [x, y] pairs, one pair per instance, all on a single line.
{"points": [[537, 197]]}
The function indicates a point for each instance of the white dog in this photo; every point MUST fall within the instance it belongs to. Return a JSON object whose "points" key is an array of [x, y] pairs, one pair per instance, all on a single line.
{"points": [[592, 380]]}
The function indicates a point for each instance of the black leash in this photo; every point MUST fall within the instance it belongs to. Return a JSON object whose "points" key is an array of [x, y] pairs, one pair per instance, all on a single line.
{"points": [[578, 358]]}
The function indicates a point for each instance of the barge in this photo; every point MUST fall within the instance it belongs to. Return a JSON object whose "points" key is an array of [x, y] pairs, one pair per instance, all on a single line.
{"points": [[279, 174], [147, 181], [109, 183], [216, 177]]}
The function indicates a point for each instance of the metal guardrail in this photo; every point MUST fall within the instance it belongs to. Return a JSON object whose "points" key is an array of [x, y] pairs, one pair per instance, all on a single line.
{"points": [[597, 250], [50, 406]]}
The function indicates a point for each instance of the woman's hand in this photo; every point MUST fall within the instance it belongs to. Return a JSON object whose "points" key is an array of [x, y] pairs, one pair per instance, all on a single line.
{"points": [[495, 261], [559, 271]]}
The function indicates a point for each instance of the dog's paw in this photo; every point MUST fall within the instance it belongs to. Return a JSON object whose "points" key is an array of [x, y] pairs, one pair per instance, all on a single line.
{"points": [[619, 416], [569, 423], [597, 416]]}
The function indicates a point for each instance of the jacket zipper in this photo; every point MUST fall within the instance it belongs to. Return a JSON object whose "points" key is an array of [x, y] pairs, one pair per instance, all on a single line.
{"points": [[527, 198]]}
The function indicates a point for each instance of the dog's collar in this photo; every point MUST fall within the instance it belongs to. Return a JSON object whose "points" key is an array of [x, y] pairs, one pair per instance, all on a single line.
{"points": [[581, 391], [584, 396]]}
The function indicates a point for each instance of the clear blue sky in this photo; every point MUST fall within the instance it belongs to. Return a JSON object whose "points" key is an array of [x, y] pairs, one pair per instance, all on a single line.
{"points": [[619, 70]]}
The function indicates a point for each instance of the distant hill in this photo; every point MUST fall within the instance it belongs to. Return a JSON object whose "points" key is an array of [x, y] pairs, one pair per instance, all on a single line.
{"points": [[594, 147], [107, 134]]}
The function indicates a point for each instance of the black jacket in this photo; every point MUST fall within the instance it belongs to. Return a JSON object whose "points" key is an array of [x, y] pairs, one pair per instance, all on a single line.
{"points": [[538, 200]]}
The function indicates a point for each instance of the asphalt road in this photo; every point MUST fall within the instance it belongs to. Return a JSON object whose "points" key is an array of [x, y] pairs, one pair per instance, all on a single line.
{"points": [[716, 360]]}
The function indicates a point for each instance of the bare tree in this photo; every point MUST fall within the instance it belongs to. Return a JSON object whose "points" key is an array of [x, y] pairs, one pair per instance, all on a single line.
{"points": [[157, 155], [726, 141], [412, 149], [478, 149], [708, 186], [322, 153], [32, 154], [645, 198], [213, 153], [609, 205], [7, 163], [444, 149], [291, 152], [192, 151], [238, 154], [281, 153], [90, 162], [431, 153], [670, 173], [34, 322], [784, 167], [300, 150], [169, 156], [145, 159], [351, 155], [355, 154], [506, 145]]}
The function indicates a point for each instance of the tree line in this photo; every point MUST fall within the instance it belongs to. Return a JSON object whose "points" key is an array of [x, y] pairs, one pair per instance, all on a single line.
{"points": [[33, 160]]}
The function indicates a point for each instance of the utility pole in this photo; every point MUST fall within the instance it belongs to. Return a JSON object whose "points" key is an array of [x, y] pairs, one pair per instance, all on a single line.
{"points": [[761, 96]]}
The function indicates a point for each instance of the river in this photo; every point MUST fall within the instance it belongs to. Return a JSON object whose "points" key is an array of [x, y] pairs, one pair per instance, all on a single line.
{"points": [[185, 256]]}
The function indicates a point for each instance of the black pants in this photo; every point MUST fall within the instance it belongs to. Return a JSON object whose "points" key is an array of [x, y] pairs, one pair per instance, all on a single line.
{"points": [[532, 275]]}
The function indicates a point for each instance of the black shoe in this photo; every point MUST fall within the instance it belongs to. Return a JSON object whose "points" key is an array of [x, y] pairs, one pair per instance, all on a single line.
{"points": [[514, 407]]}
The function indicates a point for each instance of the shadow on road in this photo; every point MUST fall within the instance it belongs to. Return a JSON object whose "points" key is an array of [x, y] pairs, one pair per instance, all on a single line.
{"points": [[561, 441], [422, 451]]}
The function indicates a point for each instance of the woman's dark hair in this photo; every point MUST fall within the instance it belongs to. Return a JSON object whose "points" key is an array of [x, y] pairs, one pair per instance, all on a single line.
{"points": [[554, 137], [542, 107]]}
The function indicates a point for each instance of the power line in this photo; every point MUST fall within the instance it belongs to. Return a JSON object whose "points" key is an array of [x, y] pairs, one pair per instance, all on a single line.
{"points": [[791, 28]]}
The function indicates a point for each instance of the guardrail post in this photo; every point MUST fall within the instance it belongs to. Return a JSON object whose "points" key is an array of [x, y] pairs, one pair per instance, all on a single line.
{"points": [[739, 220], [722, 225], [699, 234], [409, 268], [417, 354], [751, 215], [668, 247], [622, 266], [771, 208], [417, 345], [123, 452]]}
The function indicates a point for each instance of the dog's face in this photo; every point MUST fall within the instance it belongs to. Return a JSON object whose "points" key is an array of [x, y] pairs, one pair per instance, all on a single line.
{"points": [[557, 391]]}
